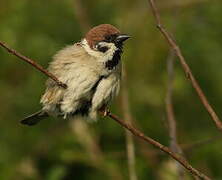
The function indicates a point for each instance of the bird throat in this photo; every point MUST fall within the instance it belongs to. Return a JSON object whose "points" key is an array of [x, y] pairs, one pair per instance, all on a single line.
{"points": [[112, 63]]}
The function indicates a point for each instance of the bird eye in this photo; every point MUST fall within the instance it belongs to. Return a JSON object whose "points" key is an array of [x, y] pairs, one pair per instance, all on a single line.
{"points": [[101, 48], [108, 38], [111, 38]]}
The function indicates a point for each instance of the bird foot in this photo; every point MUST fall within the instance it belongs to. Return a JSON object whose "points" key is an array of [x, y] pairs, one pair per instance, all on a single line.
{"points": [[104, 111]]}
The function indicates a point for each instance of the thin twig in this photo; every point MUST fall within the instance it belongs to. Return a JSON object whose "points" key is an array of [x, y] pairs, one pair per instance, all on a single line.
{"points": [[33, 63], [169, 5], [130, 147], [185, 66], [82, 15], [188, 148], [172, 126], [163, 148], [169, 105]]}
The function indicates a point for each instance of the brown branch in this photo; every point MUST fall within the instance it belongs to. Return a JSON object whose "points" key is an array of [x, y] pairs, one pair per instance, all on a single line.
{"points": [[33, 63], [163, 148], [185, 66]]}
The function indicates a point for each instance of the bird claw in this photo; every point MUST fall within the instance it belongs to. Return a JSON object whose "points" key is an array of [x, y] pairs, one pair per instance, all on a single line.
{"points": [[106, 112]]}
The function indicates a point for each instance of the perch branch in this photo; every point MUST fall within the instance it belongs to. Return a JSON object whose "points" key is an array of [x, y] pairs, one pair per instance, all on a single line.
{"points": [[185, 66], [33, 63], [163, 148]]}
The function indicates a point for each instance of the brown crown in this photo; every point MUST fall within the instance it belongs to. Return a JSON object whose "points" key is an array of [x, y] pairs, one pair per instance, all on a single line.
{"points": [[98, 33]]}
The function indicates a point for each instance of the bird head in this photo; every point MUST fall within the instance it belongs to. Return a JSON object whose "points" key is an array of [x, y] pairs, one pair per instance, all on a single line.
{"points": [[104, 42], [104, 37]]}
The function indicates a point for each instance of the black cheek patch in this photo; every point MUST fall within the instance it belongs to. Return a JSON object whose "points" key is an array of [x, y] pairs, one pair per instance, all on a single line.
{"points": [[112, 63], [102, 48], [111, 38]]}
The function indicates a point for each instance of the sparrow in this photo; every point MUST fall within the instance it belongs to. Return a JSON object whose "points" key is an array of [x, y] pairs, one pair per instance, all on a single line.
{"points": [[91, 69]]}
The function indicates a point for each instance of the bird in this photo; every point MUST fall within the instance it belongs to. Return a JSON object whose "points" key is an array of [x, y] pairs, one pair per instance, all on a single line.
{"points": [[91, 69]]}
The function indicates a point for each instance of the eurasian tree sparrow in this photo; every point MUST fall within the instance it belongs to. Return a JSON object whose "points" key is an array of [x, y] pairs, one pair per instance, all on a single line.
{"points": [[92, 71]]}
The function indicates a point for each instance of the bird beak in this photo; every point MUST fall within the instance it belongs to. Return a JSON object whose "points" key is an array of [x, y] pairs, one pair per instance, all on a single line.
{"points": [[121, 38]]}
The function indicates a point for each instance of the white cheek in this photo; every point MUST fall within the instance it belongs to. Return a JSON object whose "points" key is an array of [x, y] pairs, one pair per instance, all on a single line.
{"points": [[108, 55], [90, 51], [100, 56]]}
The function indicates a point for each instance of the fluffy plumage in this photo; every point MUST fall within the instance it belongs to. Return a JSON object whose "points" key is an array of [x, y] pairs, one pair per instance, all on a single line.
{"points": [[92, 83]]}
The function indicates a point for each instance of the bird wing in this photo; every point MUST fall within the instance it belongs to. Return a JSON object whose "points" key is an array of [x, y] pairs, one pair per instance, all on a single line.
{"points": [[79, 90], [106, 90], [74, 67]]}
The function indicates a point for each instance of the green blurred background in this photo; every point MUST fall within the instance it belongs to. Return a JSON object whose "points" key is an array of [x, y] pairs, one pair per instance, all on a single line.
{"points": [[58, 149]]}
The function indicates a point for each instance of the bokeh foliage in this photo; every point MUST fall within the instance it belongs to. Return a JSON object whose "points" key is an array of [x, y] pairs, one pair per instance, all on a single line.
{"points": [[54, 149]]}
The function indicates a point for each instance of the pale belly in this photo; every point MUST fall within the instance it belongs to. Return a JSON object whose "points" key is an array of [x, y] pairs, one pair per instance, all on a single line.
{"points": [[100, 95]]}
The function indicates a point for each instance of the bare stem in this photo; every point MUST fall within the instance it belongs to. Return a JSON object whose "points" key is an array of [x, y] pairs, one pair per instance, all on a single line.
{"points": [[82, 15], [34, 64], [188, 148], [185, 66], [171, 121], [169, 105], [130, 147]]}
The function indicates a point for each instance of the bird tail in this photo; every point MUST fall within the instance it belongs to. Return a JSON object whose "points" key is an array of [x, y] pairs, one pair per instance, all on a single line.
{"points": [[33, 119]]}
